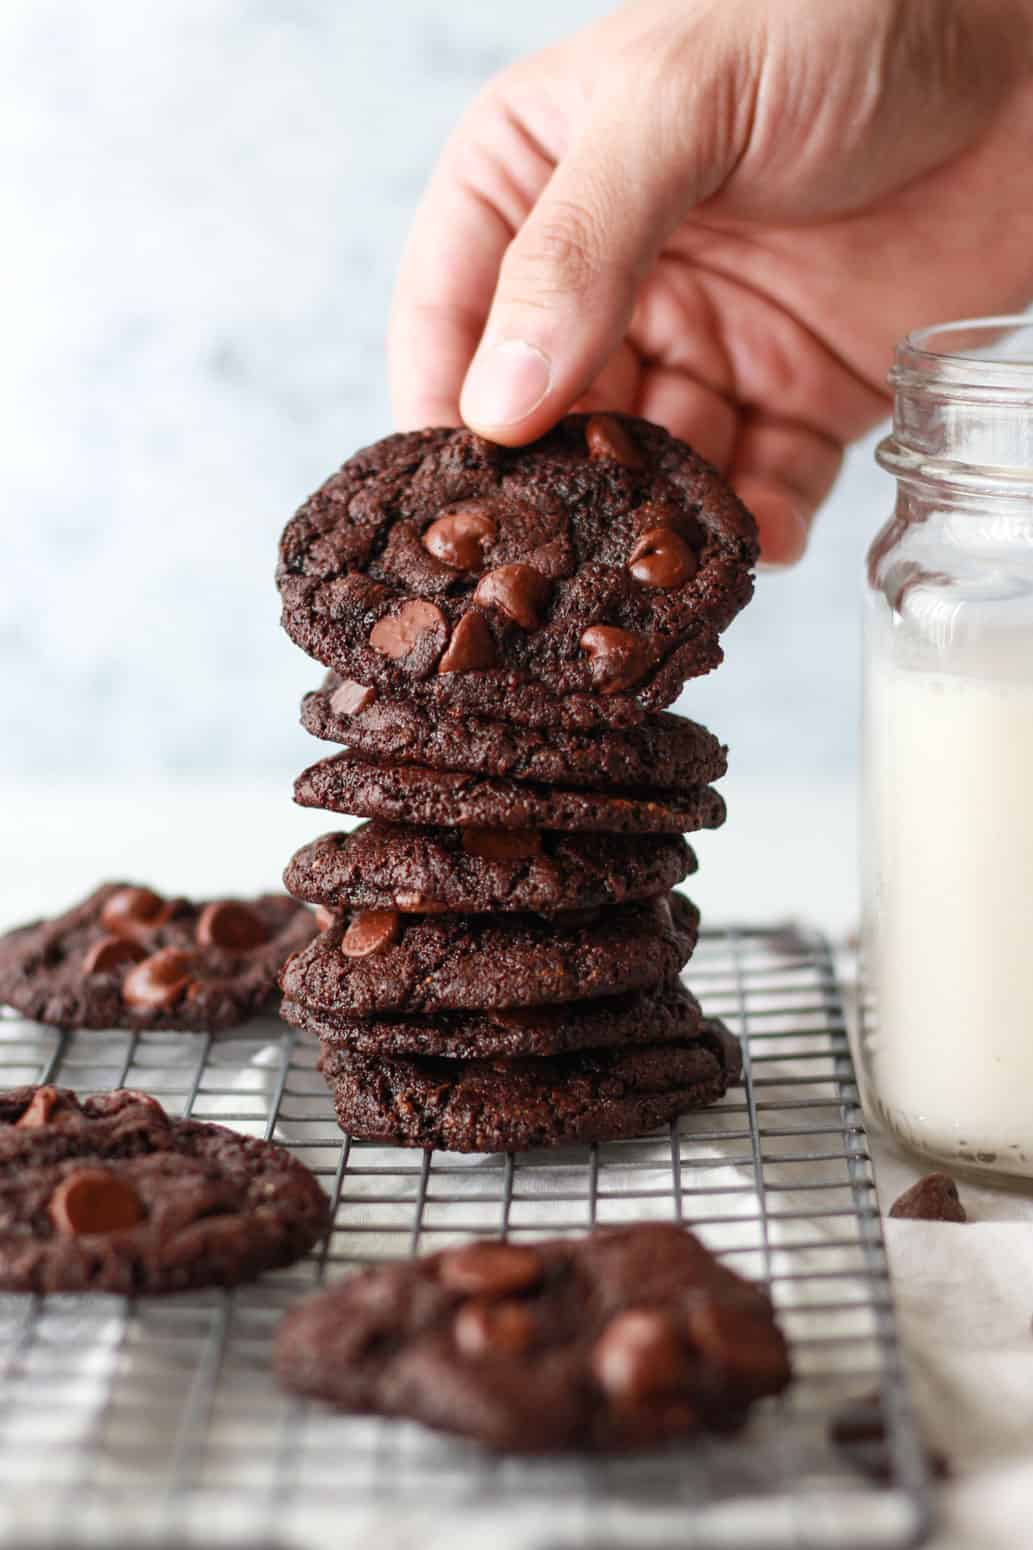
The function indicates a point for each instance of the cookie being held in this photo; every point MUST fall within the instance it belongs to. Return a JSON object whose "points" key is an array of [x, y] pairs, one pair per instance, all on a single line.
{"points": [[603, 560]]}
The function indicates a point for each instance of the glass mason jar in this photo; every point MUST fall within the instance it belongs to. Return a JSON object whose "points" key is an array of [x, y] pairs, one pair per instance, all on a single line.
{"points": [[947, 1050]]}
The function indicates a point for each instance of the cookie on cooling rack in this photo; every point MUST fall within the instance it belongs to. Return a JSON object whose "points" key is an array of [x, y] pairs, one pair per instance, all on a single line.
{"points": [[484, 1105], [127, 957], [110, 1194], [391, 866], [384, 961], [624, 1339], [602, 560]]}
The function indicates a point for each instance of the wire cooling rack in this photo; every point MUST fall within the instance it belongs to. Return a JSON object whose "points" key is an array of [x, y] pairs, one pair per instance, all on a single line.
{"points": [[156, 1421]]}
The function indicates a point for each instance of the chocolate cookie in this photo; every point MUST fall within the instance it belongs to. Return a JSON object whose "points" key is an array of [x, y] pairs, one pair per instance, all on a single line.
{"points": [[605, 558], [515, 1105], [383, 961], [112, 1195], [406, 793], [385, 866], [666, 1014], [665, 750], [630, 1337], [128, 958]]}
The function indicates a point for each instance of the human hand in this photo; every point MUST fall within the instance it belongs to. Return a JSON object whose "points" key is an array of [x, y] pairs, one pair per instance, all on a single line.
{"points": [[721, 214]]}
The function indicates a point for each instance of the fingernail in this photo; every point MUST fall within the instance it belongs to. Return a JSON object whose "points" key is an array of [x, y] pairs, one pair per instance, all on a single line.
{"points": [[505, 383]]}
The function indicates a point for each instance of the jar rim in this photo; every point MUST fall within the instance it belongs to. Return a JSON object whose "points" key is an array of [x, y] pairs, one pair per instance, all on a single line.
{"points": [[982, 353]]}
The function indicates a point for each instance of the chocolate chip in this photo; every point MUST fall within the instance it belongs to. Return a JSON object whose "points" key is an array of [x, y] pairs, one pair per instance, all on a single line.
{"points": [[370, 932], [483, 1328], [472, 647], [743, 1342], [350, 697], [459, 535], [40, 1109], [416, 625], [606, 437], [617, 659], [160, 980], [857, 1430], [491, 1269], [132, 910], [92, 1200], [324, 918], [110, 953], [933, 1199], [226, 923], [662, 559], [519, 591], [502, 844], [639, 1354], [412, 903]]}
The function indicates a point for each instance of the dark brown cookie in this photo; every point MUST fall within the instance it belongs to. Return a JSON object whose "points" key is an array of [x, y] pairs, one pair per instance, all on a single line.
{"points": [[383, 961], [409, 794], [665, 750], [128, 958], [628, 1338], [605, 558], [665, 1015], [385, 866], [112, 1195], [516, 1105], [932, 1199]]}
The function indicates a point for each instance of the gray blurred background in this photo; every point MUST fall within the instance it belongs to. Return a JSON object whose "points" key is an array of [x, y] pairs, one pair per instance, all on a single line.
{"points": [[204, 203]]}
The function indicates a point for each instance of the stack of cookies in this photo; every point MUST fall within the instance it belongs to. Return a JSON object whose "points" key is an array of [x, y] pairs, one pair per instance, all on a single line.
{"points": [[502, 947]]}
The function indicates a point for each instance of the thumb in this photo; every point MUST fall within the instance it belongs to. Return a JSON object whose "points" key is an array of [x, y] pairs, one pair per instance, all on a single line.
{"points": [[568, 281]]}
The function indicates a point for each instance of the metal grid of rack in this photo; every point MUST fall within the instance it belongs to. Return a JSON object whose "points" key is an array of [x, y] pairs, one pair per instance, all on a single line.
{"points": [[159, 1417]]}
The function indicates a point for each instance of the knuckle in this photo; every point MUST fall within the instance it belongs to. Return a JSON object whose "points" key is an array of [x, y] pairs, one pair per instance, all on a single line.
{"points": [[563, 253]]}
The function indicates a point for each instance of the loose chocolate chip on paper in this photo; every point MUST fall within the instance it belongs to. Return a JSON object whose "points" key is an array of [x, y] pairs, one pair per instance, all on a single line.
{"points": [[350, 697], [491, 1269], [661, 558], [229, 924], [459, 536], [111, 952], [933, 1199], [617, 659], [370, 932], [472, 647], [93, 1200], [606, 437], [160, 980], [519, 591]]}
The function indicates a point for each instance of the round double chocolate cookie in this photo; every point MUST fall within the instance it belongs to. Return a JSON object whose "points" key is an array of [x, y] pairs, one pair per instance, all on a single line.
{"points": [[407, 793], [128, 958], [385, 866], [383, 961], [665, 750], [627, 1338], [110, 1194], [605, 559], [514, 1105], [663, 1015]]}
